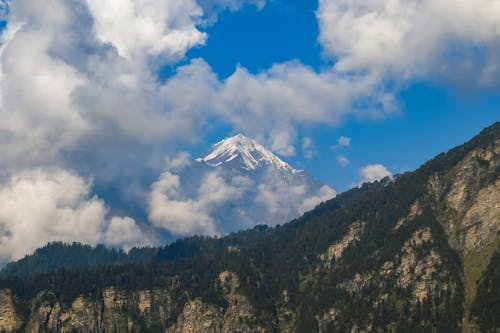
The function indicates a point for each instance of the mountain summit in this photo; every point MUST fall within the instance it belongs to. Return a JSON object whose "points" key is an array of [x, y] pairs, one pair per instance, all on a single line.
{"points": [[238, 184], [242, 152]]}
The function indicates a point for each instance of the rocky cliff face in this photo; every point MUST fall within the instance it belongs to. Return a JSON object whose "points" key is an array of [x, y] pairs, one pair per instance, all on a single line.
{"points": [[9, 321], [112, 311], [467, 199], [238, 317], [147, 310]]}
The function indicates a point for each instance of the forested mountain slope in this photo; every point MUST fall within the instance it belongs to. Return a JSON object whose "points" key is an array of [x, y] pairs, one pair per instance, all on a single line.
{"points": [[412, 254], [58, 255]]}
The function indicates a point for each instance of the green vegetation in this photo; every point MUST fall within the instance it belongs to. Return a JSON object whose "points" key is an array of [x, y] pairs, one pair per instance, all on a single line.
{"points": [[475, 265], [485, 310], [59, 255]]}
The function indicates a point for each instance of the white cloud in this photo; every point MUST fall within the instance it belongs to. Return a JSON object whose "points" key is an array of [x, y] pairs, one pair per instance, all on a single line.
{"points": [[71, 100], [374, 172], [273, 104], [171, 209], [343, 161], [124, 232], [179, 161], [281, 142], [38, 206], [325, 193], [138, 27], [344, 141], [284, 201], [204, 200], [407, 39]]}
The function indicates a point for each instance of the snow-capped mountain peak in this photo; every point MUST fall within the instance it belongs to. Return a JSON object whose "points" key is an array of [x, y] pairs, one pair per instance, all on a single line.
{"points": [[237, 185], [245, 153]]}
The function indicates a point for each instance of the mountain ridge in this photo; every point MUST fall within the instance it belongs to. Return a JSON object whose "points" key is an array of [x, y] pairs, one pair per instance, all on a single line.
{"points": [[381, 257]]}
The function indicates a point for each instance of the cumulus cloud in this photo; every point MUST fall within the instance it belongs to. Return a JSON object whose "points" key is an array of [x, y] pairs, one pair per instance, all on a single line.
{"points": [[271, 105], [374, 172], [143, 27], [38, 206], [325, 193], [408, 39], [343, 161], [125, 233], [171, 209], [206, 200], [284, 202]]}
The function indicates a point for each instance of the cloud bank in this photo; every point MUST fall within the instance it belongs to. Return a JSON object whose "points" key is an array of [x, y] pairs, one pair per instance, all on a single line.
{"points": [[412, 39], [39, 207], [196, 198]]}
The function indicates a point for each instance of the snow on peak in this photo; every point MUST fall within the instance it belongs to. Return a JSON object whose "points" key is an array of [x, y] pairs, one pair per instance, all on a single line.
{"points": [[244, 151]]}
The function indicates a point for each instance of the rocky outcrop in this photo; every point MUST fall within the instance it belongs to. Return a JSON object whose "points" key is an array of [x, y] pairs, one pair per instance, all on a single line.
{"points": [[113, 311], [467, 200], [335, 251], [8, 318], [238, 317], [119, 311], [418, 274], [196, 317], [415, 210]]}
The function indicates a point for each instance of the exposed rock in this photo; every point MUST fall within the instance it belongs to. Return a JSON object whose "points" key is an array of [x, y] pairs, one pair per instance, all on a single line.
{"points": [[482, 220], [114, 311], [239, 317], [114, 314], [415, 210], [357, 283], [286, 315], [418, 273], [327, 319], [198, 317], [335, 251], [8, 317], [144, 303], [233, 249], [469, 206]]}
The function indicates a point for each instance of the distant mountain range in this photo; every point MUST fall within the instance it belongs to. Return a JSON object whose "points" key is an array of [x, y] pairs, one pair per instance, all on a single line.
{"points": [[236, 185], [418, 253]]}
